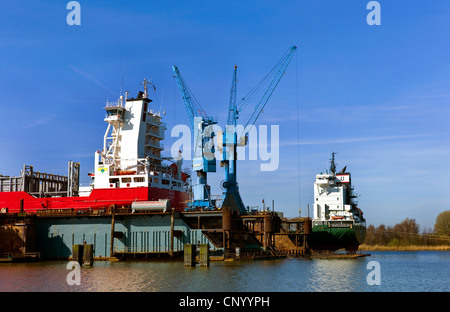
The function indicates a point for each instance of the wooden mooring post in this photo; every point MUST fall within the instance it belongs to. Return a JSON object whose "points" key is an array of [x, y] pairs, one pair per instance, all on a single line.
{"points": [[77, 253], [83, 254], [111, 247], [204, 255], [189, 254], [172, 229], [88, 254]]}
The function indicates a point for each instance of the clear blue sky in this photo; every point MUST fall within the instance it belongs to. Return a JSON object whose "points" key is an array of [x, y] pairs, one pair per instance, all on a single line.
{"points": [[377, 95]]}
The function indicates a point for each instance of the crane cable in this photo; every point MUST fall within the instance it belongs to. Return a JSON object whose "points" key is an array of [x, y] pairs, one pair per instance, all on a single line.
{"points": [[298, 134], [246, 99]]}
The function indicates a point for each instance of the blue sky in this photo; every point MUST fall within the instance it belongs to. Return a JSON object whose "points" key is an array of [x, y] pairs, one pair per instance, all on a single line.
{"points": [[377, 95]]}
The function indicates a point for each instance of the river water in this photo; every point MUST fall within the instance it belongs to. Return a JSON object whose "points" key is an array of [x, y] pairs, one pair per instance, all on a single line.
{"points": [[386, 271]]}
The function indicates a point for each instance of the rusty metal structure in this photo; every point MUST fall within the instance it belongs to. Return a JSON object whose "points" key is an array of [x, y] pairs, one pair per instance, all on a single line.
{"points": [[258, 235], [120, 233]]}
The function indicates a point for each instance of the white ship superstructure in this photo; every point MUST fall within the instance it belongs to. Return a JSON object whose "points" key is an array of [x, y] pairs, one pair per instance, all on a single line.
{"points": [[334, 197], [131, 154], [337, 222]]}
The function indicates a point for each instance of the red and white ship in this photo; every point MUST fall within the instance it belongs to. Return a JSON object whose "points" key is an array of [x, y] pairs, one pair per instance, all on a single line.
{"points": [[129, 171]]}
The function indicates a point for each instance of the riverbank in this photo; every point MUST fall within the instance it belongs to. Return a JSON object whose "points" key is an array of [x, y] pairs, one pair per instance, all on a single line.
{"points": [[365, 247]]}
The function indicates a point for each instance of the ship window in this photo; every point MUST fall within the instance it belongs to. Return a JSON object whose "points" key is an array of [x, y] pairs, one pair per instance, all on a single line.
{"points": [[156, 180], [126, 180], [139, 179], [166, 182]]}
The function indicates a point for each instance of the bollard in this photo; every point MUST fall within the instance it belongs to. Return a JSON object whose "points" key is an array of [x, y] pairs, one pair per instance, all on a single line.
{"points": [[189, 255], [77, 253], [204, 255], [88, 254]]}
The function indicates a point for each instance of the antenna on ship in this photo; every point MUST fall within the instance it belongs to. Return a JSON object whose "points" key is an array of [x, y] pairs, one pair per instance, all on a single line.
{"points": [[333, 165], [123, 74], [145, 87]]}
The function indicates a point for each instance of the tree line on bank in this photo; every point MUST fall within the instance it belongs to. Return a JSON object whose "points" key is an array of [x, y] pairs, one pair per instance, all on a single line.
{"points": [[408, 233]]}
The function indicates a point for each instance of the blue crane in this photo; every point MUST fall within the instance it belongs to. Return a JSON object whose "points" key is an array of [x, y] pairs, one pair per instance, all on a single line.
{"points": [[232, 199], [204, 159]]}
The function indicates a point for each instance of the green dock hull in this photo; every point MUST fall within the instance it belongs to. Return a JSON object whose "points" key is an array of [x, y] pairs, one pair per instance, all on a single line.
{"points": [[324, 237]]}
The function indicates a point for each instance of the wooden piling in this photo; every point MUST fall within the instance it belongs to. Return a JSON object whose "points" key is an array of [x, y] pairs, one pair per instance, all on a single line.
{"points": [[77, 253], [204, 255], [189, 255], [88, 254], [172, 226], [111, 250]]}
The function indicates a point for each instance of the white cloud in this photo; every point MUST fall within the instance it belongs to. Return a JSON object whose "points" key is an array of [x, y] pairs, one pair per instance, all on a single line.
{"points": [[90, 78], [353, 140], [39, 122]]}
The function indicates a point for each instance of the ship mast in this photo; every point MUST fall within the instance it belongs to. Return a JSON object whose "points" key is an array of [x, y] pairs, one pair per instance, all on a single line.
{"points": [[333, 165], [145, 83]]}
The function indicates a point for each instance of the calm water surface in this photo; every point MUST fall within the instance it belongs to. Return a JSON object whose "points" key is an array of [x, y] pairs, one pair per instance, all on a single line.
{"points": [[420, 271]]}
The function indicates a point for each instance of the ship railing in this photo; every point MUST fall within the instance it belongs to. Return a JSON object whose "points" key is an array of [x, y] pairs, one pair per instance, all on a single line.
{"points": [[144, 249], [45, 194], [154, 112], [113, 118], [117, 103], [69, 212], [156, 122]]}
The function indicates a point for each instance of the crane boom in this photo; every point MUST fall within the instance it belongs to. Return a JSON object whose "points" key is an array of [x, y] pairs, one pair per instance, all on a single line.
{"points": [[204, 160], [186, 95], [232, 109], [280, 70]]}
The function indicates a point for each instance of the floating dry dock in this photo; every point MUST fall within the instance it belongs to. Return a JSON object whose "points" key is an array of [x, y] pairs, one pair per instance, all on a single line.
{"points": [[122, 234]]}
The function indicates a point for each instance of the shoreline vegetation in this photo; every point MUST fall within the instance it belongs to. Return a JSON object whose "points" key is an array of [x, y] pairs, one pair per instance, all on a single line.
{"points": [[365, 247], [406, 236]]}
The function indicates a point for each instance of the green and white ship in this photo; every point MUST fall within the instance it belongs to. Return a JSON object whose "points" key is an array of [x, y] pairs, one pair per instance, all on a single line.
{"points": [[338, 223]]}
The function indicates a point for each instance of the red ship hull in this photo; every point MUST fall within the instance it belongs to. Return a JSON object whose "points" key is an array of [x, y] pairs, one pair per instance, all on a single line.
{"points": [[98, 199]]}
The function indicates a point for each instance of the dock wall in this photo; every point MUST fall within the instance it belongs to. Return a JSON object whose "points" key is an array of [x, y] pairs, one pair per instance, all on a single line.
{"points": [[145, 234], [16, 239]]}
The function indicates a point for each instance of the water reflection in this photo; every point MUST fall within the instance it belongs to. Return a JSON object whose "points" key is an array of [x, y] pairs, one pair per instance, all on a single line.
{"points": [[426, 271], [335, 275]]}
